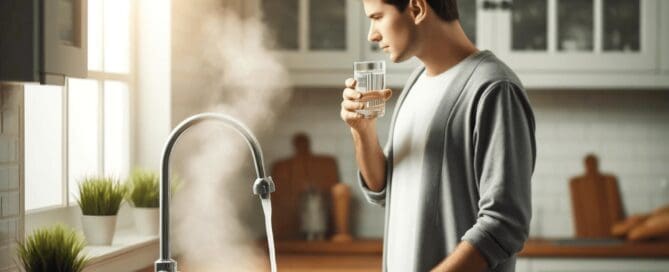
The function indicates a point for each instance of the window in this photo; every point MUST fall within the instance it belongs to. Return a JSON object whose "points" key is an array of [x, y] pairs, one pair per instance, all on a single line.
{"points": [[83, 129]]}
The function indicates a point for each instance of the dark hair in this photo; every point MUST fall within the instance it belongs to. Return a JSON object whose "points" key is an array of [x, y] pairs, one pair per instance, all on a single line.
{"points": [[447, 10]]}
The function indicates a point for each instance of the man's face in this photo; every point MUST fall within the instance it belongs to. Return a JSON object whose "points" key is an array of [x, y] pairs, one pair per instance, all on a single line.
{"points": [[393, 30]]}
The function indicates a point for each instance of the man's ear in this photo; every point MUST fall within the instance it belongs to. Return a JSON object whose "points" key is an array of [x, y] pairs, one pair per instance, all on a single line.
{"points": [[418, 10]]}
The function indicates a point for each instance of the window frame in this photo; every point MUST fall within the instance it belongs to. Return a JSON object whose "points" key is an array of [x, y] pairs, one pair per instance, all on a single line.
{"points": [[130, 79]]}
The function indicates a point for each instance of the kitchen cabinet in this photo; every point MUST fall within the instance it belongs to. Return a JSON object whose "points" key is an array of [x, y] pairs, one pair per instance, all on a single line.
{"points": [[574, 43], [551, 44], [578, 35], [565, 255], [313, 34], [43, 41], [591, 265]]}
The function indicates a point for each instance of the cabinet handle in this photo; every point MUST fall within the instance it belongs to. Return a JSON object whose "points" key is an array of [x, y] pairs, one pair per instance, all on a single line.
{"points": [[488, 5], [506, 5]]}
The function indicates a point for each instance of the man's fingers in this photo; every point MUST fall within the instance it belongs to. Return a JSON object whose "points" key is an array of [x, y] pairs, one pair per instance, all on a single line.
{"points": [[350, 115], [350, 83], [351, 94], [352, 105], [387, 93], [383, 94]]}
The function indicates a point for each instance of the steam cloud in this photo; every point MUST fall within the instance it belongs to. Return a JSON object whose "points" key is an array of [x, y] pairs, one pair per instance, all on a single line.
{"points": [[220, 64]]}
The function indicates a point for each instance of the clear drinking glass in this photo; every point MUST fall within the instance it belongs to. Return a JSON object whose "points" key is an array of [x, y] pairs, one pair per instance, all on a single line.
{"points": [[370, 76]]}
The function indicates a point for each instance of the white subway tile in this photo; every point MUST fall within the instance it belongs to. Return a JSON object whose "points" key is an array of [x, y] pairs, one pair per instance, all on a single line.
{"points": [[7, 253], [8, 231], [10, 203], [5, 234], [9, 177], [556, 225], [4, 178], [10, 121], [637, 203]]}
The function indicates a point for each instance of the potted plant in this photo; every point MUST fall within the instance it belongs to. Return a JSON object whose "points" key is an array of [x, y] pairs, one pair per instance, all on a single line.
{"points": [[144, 196], [52, 249], [100, 199]]}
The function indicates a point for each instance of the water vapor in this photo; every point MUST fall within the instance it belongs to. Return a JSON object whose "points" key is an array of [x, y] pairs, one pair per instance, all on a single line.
{"points": [[220, 64]]}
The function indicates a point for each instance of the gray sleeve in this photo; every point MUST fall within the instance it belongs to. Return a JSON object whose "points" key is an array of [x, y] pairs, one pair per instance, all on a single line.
{"points": [[504, 157], [376, 198]]}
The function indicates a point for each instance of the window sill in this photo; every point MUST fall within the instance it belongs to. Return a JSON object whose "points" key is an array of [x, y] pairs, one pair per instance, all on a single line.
{"points": [[129, 252]]}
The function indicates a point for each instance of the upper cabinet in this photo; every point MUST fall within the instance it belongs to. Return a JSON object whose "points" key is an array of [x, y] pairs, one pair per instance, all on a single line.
{"points": [[43, 41], [313, 34], [579, 35], [550, 44]]}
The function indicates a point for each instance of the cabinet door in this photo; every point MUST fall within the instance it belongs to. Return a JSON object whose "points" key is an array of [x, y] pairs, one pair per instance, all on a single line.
{"points": [[578, 35], [597, 265], [65, 40], [313, 34]]}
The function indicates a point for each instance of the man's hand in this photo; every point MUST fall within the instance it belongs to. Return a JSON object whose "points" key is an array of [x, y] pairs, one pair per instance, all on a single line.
{"points": [[354, 100], [368, 153], [465, 258]]}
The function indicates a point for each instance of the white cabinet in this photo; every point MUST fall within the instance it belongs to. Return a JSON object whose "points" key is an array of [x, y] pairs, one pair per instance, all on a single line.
{"points": [[313, 34], [591, 265], [582, 43], [579, 35], [551, 44], [43, 41]]}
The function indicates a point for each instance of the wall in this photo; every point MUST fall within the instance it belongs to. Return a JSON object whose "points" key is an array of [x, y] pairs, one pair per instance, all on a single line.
{"points": [[11, 173], [628, 130], [153, 98]]}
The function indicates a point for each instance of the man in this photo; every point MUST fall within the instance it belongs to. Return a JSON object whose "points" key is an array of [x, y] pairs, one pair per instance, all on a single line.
{"points": [[455, 175]]}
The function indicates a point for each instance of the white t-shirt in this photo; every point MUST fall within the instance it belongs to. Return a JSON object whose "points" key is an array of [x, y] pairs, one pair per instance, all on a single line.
{"points": [[409, 142]]}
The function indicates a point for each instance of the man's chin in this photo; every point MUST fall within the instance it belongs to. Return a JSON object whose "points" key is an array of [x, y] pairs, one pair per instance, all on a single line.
{"points": [[397, 58]]}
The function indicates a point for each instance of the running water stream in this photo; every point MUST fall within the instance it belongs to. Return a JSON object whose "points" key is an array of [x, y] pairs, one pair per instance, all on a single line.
{"points": [[267, 209]]}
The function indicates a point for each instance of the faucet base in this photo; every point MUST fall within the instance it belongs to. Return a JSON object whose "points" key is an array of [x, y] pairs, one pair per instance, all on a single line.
{"points": [[165, 266]]}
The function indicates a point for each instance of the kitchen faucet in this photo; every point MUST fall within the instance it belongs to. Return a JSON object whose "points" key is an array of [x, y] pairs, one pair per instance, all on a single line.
{"points": [[262, 186]]}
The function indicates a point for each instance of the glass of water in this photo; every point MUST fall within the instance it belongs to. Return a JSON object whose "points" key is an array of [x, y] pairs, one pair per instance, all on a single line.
{"points": [[370, 76]]}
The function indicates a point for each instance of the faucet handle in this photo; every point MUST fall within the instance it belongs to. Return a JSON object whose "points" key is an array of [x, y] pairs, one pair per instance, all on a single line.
{"points": [[166, 266], [263, 187]]}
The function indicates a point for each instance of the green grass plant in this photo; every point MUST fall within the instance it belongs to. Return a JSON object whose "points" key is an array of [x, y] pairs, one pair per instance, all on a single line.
{"points": [[144, 189], [52, 249], [100, 196]]}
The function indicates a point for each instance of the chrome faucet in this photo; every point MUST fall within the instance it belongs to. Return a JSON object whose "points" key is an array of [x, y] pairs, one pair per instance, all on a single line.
{"points": [[262, 186]]}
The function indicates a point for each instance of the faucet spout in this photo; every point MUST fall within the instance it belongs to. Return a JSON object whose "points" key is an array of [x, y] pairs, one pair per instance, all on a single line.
{"points": [[263, 185]]}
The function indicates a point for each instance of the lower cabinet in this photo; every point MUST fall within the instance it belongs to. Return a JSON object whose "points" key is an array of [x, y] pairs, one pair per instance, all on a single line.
{"points": [[591, 265]]}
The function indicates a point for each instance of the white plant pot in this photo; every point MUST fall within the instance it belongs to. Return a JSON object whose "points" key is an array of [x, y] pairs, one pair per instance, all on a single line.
{"points": [[146, 220], [99, 230]]}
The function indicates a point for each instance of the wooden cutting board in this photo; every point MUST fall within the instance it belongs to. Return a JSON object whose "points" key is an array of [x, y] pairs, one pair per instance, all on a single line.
{"points": [[595, 199], [295, 175]]}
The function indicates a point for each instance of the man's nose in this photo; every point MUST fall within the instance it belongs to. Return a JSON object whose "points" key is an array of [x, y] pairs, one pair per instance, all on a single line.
{"points": [[373, 36]]}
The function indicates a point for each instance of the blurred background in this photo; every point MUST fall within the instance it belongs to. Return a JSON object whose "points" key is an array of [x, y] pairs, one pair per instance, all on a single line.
{"points": [[93, 88]]}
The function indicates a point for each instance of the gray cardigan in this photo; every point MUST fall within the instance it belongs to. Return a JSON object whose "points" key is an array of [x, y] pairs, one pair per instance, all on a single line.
{"points": [[478, 163]]}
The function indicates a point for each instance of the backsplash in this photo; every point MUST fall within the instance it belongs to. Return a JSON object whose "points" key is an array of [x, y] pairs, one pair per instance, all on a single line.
{"points": [[11, 215], [627, 130]]}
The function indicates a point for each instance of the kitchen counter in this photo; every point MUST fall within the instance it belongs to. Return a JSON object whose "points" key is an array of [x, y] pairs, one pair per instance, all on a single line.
{"points": [[534, 247], [594, 248], [365, 255]]}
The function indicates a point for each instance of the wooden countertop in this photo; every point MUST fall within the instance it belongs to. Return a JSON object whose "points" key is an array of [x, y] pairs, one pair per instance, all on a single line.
{"points": [[533, 248], [594, 249]]}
